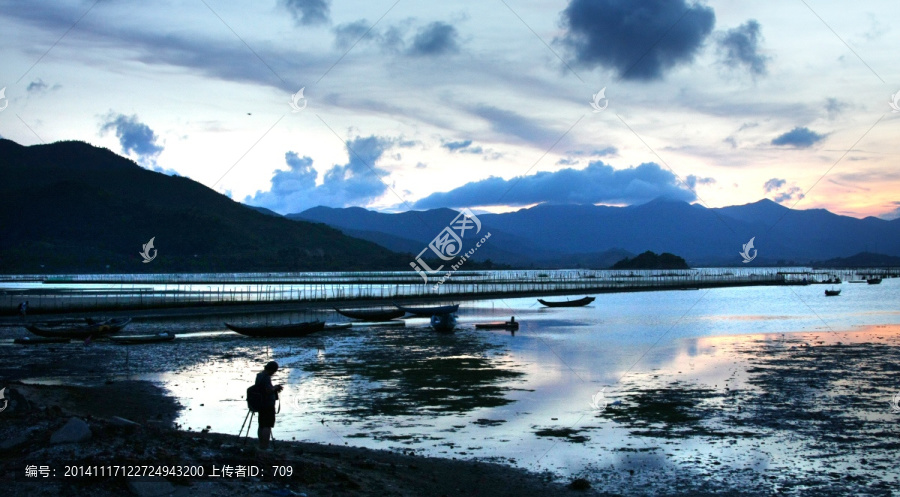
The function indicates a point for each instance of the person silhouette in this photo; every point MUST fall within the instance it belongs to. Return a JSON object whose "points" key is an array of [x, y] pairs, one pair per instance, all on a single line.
{"points": [[267, 410]]}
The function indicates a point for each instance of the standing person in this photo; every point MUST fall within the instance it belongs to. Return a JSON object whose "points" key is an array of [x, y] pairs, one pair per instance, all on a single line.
{"points": [[267, 410], [23, 309]]}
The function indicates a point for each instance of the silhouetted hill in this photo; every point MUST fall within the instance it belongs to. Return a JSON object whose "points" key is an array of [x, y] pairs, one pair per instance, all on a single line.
{"points": [[863, 259], [550, 235], [649, 260], [69, 206]]}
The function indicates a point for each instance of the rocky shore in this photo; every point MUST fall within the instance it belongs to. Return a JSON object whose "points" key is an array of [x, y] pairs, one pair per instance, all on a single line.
{"points": [[53, 431]]}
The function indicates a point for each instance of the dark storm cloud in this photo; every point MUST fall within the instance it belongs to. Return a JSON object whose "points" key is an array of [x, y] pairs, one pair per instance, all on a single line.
{"points": [[307, 12], [639, 39], [798, 138], [598, 182], [740, 47], [437, 38], [355, 183]]}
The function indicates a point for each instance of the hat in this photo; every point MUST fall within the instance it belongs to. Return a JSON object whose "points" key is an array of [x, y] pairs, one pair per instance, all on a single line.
{"points": [[272, 366]]}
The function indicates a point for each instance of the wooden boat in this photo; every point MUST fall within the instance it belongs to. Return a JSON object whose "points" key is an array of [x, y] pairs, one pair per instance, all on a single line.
{"points": [[76, 331], [280, 330], [832, 293], [429, 311], [375, 316], [339, 326], [568, 303], [874, 281], [857, 281], [140, 339], [443, 322], [499, 325], [39, 340]]}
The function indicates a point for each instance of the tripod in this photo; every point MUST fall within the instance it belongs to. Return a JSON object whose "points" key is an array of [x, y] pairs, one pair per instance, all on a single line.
{"points": [[250, 415]]}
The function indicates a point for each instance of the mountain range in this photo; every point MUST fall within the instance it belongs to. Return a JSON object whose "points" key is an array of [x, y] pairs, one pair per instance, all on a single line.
{"points": [[598, 236]]}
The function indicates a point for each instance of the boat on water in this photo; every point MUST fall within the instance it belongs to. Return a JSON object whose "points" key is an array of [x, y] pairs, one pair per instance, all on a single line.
{"points": [[39, 340], [294, 330], [339, 326], [568, 303], [874, 281], [375, 316], [511, 325], [443, 322], [857, 281], [76, 331], [832, 293], [141, 339], [429, 311]]}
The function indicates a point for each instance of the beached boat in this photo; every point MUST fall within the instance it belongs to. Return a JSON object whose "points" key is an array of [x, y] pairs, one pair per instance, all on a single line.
{"points": [[372, 315], [76, 331], [429, 311], [280, 330], [39, 340], [339, 326], [443, 322], [568, 303], [857, 281], [512, 325], [832, 293], [141, 339], [874, 281]]}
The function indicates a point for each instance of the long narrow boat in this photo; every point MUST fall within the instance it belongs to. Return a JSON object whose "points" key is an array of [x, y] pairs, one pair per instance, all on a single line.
{"points": [[375, 316], [499, 325], [39, 340], [832, 293], [874, 281], [141, 339], [429, 311], [568, 303], [279, 331], [79, 331]]}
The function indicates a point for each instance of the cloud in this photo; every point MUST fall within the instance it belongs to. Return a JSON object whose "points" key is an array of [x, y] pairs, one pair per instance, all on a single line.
{"points": [[740, 48], [567, 162], [598, 182], [692, 181], [355, 183], [639, 39], [38, 86], [308, 12], [511, 123], [134, 136], [454, 146], [421, 165], [892, 214], [776, 186], [834, 107], [345, 35], [798, 138], [437, 38]]}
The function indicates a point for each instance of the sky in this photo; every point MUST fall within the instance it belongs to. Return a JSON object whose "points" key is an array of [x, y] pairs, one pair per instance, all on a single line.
{"points": [[492, 105]]}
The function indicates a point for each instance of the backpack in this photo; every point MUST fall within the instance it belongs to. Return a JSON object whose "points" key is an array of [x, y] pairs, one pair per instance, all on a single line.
{"points": [[255, 398]]}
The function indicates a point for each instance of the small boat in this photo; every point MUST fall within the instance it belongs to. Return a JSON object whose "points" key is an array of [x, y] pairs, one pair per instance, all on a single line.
{"points": [[443, 322], [874, 281], [39, 340], [429, 311], [568, 303], [512, 324], [79, 331], [339, 326], [857, 281], [832, 293], [279, 330], [375, 316], [139, 339]]}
